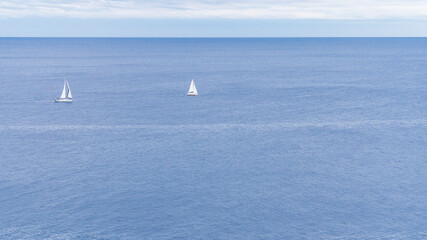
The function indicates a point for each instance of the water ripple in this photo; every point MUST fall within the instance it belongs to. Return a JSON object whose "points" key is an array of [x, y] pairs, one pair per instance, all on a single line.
{"points": [[227, 126]]}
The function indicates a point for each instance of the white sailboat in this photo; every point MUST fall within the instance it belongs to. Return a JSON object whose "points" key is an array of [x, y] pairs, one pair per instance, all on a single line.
{"points": [[193, 89], [66, 94]]}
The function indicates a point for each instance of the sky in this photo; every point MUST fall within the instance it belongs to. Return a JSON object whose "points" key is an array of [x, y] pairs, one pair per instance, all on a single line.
{"points": [[213, 18]]}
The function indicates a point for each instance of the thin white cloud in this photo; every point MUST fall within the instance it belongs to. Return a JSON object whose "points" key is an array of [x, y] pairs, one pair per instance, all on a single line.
{"points": [[222, 9]]}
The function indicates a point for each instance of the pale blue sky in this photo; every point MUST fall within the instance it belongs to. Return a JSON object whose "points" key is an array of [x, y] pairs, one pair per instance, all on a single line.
{"points": [[213, 18]]}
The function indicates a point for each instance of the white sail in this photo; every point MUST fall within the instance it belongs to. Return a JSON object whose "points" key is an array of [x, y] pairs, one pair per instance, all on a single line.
{"points": [[66, 96], [64, 90], [69, 91], [193, 89]]}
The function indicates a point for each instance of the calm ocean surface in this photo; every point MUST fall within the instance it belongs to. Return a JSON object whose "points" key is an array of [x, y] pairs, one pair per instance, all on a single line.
{"points": [[316, 138]]}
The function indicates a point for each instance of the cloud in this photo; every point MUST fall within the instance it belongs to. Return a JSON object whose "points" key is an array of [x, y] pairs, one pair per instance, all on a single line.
{"points": [[218, 9]]}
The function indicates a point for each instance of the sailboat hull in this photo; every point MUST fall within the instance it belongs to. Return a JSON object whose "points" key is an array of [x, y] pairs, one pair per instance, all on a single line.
{"points": [[192, 94], [63, 100]]}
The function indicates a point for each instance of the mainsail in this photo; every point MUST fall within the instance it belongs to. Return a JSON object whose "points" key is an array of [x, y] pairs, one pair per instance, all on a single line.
{"points": [[193, 89], [64, 91]]}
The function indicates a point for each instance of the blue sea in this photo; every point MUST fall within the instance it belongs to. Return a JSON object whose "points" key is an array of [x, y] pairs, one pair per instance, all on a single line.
{"points": [[289, 138]]}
